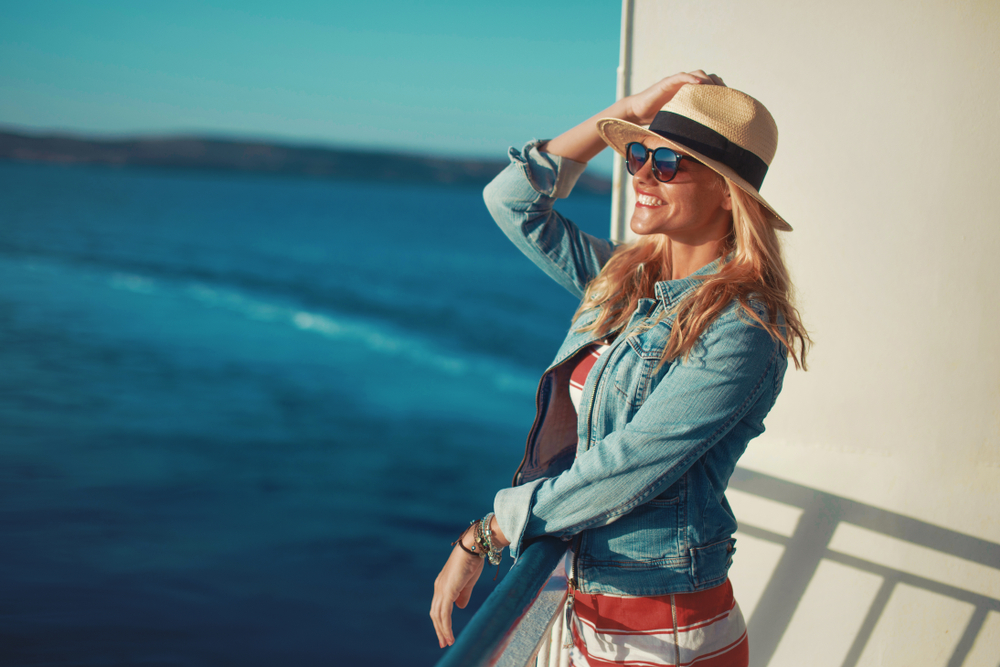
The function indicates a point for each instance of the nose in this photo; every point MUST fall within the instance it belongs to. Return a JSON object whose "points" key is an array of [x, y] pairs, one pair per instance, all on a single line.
{"points": [[645, 172]]}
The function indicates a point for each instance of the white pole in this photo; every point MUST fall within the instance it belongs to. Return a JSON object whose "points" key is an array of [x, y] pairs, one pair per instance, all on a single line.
{"points": [[619, 182]]}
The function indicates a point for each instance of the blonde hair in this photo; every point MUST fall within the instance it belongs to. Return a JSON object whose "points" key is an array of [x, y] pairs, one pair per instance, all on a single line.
{"points": [[751, 267]]}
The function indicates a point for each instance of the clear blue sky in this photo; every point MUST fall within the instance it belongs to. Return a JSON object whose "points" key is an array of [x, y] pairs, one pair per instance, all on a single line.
{"points": [[459, 78]]}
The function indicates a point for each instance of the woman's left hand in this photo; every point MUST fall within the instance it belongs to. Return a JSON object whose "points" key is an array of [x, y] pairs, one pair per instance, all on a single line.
{"points": [[641, 108], [453, 586]]}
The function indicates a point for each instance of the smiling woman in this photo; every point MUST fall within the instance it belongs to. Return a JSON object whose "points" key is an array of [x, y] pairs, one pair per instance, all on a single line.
{"points": [[675, 356], [688, 202]]}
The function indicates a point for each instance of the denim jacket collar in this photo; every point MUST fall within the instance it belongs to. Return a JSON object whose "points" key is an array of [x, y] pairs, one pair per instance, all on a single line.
{"points": [[668, 293], [672, 292]]}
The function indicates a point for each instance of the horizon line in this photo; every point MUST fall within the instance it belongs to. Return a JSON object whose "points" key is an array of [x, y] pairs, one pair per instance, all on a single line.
{"points": [[235, 136]]}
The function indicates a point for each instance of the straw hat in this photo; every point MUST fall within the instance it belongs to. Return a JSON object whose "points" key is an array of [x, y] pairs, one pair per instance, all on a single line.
{"points": [[720, 127]]}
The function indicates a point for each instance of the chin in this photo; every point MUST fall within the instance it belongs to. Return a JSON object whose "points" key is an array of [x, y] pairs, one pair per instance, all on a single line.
{"points": [[642, 230], [639, 231]]}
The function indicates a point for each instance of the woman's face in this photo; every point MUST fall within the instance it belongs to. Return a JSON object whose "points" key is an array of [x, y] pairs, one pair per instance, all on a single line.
{"points": [[693, 208]]}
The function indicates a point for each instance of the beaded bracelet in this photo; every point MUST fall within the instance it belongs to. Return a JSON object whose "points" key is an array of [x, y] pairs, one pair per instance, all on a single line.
{"points": [[484, 538]]}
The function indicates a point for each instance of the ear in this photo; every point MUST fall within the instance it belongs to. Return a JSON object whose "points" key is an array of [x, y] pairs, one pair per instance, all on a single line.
{"points": [[727, 200]]}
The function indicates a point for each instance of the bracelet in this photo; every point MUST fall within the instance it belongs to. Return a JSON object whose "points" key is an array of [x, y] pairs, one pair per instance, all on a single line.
{"points": [[484, 538], [472, 551]]}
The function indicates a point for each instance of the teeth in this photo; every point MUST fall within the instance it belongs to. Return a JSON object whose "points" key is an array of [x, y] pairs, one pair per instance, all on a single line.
{"points": [[646, 200]]}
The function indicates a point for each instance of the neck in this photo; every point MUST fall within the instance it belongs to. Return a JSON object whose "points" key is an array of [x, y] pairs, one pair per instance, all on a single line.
{"points": [[686, 258], [691, 249]]}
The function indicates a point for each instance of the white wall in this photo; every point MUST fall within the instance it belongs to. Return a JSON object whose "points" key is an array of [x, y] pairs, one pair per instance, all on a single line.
{"points": [[887, 167]]}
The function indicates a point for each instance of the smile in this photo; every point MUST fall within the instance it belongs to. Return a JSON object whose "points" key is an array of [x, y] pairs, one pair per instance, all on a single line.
{"points": [[647, 200]]}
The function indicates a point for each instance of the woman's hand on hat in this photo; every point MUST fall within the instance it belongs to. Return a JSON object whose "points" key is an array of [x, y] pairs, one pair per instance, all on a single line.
{"points": [[642, 107], [583, 142]]}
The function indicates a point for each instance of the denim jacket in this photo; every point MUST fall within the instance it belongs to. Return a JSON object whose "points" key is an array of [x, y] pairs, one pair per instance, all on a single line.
{"points": [[637, 478]]}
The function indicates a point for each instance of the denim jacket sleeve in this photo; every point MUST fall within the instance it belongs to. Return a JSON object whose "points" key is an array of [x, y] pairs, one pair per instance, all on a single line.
{"points": [[520, 199], [695, 405]]}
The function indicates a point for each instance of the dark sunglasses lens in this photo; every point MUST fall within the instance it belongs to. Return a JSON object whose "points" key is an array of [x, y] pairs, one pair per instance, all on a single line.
{"points": [[635, 157], [664, 164]]}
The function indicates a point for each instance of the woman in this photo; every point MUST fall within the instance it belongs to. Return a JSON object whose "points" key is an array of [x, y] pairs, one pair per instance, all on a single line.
{"points": [[674, 357]]}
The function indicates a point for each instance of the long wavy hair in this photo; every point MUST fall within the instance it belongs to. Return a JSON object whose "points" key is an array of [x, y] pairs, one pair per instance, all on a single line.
{"points": [[752, 267]]}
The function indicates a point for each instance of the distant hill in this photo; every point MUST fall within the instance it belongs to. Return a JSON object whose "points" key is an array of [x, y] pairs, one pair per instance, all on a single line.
{"points": [[261, 157]]}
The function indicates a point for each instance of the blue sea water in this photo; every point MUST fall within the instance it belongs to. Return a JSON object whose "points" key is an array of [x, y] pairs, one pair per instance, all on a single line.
{"points": [[242, 417]]}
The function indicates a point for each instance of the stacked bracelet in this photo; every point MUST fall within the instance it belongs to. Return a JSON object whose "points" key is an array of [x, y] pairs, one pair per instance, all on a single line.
{"points": [[484, 538], [476, 550], [483, 548]]}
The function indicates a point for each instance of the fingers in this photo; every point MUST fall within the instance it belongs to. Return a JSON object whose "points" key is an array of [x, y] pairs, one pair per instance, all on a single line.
{"points": [[454, 584], [701, 76], [670, 84], [441, 607], [441, 617], [688, 77]]}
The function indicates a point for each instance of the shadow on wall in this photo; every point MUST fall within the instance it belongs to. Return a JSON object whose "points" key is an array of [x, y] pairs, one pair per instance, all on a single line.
{"points": [[829, 537]]}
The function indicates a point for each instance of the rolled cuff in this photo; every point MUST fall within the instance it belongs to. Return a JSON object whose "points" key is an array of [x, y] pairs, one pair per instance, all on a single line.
{"points": [[550, 175], [512, 508]]}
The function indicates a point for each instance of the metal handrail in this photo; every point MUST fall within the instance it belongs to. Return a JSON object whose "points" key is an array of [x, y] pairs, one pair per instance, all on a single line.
{"points": [[491, 628]]}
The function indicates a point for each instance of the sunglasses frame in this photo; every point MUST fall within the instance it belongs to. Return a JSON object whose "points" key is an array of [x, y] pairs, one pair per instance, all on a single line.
{"points": [[652, 153]]}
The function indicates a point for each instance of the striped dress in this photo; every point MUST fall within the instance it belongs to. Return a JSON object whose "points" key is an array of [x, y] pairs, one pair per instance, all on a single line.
{"points": [[705, 628]]}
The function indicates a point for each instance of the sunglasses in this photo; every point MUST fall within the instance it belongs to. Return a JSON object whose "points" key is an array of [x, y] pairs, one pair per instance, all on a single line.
{"points": [[665, 161]]}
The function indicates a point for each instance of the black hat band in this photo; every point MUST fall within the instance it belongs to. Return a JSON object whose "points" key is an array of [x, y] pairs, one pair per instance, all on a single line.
{"points": [[711, 144]]}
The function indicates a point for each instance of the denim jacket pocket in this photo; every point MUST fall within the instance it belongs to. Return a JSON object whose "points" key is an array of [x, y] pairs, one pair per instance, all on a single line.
{"points": [[710, 563], [651, 532], [637, 372]]}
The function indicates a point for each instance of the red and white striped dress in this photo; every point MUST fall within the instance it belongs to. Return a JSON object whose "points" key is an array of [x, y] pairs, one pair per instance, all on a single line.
{"points": [[705, 628]]}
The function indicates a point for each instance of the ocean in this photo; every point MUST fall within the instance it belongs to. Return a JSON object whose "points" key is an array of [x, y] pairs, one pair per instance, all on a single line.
{"points": [[242, 417]]}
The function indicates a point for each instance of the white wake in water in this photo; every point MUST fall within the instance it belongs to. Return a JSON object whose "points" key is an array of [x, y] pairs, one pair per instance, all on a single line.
{"points": [[379, 337]]}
